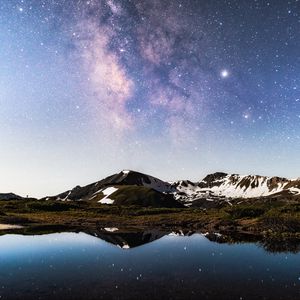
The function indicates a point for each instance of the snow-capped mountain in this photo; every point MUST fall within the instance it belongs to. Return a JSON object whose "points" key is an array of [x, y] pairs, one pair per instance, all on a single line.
{"points": [[222, 186], [214, 188], [127, 187], [108, 185]]}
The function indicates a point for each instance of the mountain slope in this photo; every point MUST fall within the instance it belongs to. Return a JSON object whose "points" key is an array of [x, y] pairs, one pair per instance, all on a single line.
{"points": [[10, 196], [217, 189], [222, 186], [128, 195], [125, 188]]}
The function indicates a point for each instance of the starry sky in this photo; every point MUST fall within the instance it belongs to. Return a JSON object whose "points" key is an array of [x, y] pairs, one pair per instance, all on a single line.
{"points": [[176, 89]]}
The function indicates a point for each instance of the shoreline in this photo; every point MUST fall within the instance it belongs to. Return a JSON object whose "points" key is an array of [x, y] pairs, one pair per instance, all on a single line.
{"points": [[254, 221]]}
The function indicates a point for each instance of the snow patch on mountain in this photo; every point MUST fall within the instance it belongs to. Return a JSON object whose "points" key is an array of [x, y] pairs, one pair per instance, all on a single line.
{"points": [[295, 191], [107, 192]]}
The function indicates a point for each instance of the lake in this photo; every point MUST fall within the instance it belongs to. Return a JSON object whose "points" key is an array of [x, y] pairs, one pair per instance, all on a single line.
{"points": [[159, 266]]}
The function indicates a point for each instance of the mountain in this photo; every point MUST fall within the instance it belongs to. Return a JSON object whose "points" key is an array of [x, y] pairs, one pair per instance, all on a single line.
{"points": [[10, 196], [225, 187], [217, 189], [125, 188]]}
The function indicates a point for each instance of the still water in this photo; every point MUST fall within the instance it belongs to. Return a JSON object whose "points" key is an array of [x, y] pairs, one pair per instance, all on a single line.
{"points": [[82, 266]]}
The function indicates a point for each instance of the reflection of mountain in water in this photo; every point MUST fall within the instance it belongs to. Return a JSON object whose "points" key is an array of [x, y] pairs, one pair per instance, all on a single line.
{"points": [[130, 239], [279, 246], [127, 239]]}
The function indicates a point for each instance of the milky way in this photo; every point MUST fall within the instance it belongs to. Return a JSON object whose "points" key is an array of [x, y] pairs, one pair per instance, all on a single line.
{"points": [[173, 88]]}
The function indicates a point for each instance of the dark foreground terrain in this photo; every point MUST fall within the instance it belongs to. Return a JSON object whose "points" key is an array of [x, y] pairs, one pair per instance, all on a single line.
{"points": [[253, 221]]}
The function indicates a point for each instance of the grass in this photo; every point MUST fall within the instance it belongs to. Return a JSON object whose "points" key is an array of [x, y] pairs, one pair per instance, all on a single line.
{"points": [[249, 212], [277, 218]]}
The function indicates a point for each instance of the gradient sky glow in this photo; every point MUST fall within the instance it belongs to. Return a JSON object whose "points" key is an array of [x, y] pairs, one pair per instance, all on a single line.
{"points": [[176, 89]]}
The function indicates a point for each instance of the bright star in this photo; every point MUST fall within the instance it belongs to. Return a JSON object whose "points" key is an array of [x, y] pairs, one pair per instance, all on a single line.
{"points": [[224, 73]]}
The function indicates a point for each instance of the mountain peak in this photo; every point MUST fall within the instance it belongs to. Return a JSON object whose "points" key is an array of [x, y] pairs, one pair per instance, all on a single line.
{"points": [[214, 176]]}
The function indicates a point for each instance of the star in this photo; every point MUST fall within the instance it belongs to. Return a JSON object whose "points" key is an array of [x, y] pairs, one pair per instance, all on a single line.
{"points": [[224, 73]]}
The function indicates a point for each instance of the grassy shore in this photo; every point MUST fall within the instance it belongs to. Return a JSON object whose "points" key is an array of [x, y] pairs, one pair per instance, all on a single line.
{"points": [[274, 219]]}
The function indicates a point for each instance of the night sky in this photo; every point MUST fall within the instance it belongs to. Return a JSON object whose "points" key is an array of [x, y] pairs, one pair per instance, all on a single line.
{"points": [[176, 89]]}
